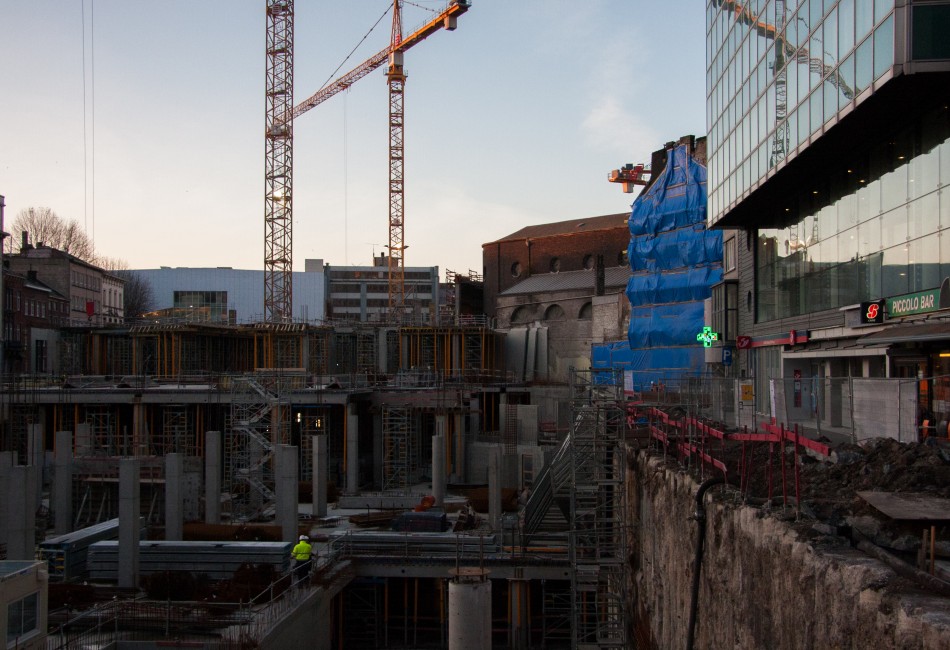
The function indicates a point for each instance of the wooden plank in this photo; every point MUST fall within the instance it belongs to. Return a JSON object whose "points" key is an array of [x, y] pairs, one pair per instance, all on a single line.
{"points": [[909, 505]]}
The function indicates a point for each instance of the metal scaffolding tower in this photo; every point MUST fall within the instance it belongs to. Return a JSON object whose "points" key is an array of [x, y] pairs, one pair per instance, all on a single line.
{"points": [[366, 350], [102, 431], [398, 433], [279, 162], [319, 344], [174, 438], [598, 537], [472, 349], [259, 421]]}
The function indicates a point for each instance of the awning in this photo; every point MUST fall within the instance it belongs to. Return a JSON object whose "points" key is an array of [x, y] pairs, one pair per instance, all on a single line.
{"points": [[909, 334], [818, 353]]}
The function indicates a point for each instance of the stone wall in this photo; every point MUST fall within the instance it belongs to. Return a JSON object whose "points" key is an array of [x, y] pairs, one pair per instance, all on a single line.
{"points": [[761, 585]]}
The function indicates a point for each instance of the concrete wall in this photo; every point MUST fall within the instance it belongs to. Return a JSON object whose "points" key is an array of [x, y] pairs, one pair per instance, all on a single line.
{"points": [[307, 627], [761, 586]]}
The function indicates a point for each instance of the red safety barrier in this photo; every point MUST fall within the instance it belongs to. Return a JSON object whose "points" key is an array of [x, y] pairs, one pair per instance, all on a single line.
{"points": [[673, 433]]}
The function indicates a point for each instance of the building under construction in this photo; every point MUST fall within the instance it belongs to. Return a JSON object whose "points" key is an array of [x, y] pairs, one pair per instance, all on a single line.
{"points": [[230, 427]]}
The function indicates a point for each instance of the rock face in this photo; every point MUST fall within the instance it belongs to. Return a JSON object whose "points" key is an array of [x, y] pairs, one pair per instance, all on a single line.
{"points": [[763, 584]]}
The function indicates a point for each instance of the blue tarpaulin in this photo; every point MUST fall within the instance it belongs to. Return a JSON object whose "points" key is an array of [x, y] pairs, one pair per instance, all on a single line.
{"points": [[675, 262]]}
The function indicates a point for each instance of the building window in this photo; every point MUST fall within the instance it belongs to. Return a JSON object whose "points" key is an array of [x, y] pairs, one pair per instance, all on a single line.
{"points": [[516, 270], [586, 312], [40, 356], [725, 307], [22, 618], [588, 261], [554, 312], [520, 315], [729, 255], [555, 264]]}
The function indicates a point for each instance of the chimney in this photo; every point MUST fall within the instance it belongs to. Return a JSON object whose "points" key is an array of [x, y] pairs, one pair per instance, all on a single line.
{"points": [[25, 241]]}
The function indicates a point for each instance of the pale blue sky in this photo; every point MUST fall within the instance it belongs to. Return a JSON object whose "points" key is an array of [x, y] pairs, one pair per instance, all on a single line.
{"points": [[514, 119]]}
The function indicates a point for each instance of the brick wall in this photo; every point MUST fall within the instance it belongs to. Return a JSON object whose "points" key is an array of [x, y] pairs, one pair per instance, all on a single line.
{"points": [[539, 255]]}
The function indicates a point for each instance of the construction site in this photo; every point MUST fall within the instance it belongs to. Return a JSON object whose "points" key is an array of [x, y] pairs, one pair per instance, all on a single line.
{"points": [[447, 489]]}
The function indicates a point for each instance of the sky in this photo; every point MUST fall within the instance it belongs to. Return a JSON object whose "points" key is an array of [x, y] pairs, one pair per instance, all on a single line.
{"points": [[144, 122]]}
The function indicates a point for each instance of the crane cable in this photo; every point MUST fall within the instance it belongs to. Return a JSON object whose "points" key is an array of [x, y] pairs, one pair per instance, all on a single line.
{"points": [[356, 47]]}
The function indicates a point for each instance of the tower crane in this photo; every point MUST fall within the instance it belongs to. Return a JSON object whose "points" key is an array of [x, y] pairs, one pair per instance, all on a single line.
{"points": [[279, 144], [630, 175]]}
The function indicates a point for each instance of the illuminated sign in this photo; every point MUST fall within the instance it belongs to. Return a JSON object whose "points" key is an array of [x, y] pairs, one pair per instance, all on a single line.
{"points": [[707, 336], [872, 312]]}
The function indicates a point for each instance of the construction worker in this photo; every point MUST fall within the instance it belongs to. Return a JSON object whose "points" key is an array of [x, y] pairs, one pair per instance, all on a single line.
{"points": [[301, 555]]}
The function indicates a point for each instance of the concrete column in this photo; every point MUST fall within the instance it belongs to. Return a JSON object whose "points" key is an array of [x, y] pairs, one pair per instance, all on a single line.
{"points": [[286, 485], [494, 488], [35, 444], [21, 513], [174, 498], [470, 610], [130, 511], [352, 450], [139, 428], [213, 477], [319, 476], [63, 483], [438, 467], [6, 465], [83, 439], [519, 632]]}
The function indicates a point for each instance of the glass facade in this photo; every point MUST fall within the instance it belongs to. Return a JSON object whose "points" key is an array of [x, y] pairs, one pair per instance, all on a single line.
{"points": [[777, 71], [877, 227]]}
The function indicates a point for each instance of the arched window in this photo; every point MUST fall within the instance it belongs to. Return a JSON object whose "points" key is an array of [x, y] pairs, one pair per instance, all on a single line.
{"points": [[554, 312], [520, 315], [586, 312], [516, 270], [588, 261], [555, 264]]}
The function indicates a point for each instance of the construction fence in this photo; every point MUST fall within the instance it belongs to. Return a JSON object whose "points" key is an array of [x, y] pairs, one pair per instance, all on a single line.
{"points": [[841, 409]]}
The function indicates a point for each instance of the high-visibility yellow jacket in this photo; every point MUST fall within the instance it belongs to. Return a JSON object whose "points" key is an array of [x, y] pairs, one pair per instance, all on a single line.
{"points": [[301, 551]]}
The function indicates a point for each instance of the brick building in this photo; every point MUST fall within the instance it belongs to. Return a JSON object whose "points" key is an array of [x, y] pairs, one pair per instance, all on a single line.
{"points": [[33, 313], [95, 296], [552, 248]]}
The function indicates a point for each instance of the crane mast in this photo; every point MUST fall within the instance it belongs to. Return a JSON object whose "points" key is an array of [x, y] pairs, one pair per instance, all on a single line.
{"points": [[396, 78], [278, 163], [280, 114]]}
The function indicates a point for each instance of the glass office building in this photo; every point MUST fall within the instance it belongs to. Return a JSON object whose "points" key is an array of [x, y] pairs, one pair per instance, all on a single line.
{"points": [[829, 142]]}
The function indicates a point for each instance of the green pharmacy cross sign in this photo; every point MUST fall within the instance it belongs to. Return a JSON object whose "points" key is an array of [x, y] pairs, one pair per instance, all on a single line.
{"points": [[707, 336]]}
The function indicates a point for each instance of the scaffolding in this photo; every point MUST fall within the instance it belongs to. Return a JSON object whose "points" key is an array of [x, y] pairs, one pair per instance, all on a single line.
{"points": [[174, 438], [362, 605], [259, 421], [70, 352], [366, 350], [598, 538], [319, 351], [398, 434], [102, 431], [473, 348], [556, 603]]}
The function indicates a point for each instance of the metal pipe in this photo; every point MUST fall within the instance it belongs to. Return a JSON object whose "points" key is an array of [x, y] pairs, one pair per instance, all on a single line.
{"points": [[700, 518]]}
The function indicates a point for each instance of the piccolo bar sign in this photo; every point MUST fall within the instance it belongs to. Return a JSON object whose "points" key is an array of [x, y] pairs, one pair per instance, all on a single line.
{"points": [[913, 303]]}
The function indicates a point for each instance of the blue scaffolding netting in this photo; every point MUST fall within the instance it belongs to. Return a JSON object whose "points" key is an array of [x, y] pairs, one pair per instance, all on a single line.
{"points": [[675, 262]]}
